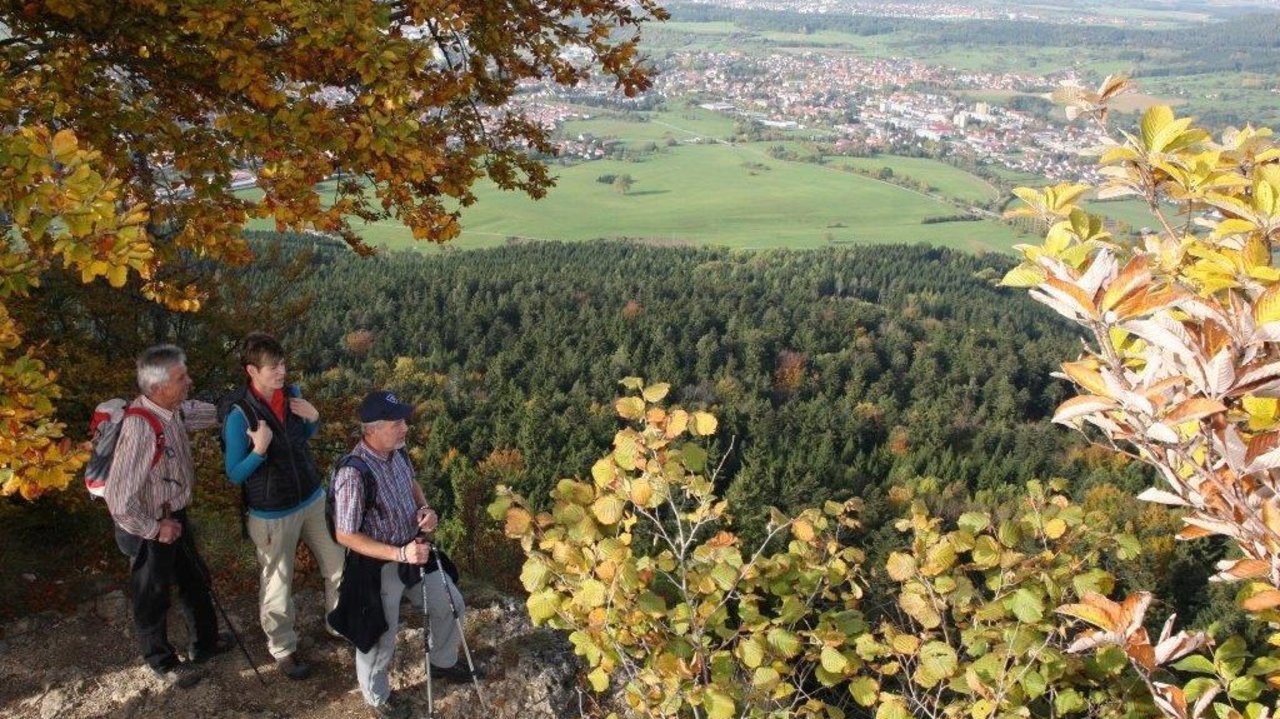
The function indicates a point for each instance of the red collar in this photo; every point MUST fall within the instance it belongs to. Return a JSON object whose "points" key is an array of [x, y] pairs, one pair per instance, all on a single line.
{"points": [[276, 402]]}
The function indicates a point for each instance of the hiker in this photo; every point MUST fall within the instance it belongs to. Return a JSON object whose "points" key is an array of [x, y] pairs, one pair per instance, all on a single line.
{"points": [[386, 562], [266, 429], [148, 491]]}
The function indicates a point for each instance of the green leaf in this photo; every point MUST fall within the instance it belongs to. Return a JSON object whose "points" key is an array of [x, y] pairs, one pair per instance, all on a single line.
{"points": [[864, 690], [973, 522], [695, 457], [1025, 605], [1069, 701], [1230, 657], [542, 605], [1196, 663], [724, 575], [1198, 686], [1034, 684], [1245, 689], [651, 604], [868, 648], [1098, 581], [1128, 547], [1009, 534], [784, 642]]}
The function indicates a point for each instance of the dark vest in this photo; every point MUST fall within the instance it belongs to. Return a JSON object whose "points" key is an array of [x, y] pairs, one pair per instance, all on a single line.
{"points": [[288, 474]]}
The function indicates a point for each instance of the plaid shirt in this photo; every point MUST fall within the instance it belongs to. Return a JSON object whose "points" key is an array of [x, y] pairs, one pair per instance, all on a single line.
{"points": [[137, 491], [393, 518]]}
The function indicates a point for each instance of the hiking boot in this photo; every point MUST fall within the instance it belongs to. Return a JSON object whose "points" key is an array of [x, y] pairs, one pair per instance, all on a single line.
{"points": [[221, 645], [392, 708], [457, 674], [182, 675], [293, 667]]}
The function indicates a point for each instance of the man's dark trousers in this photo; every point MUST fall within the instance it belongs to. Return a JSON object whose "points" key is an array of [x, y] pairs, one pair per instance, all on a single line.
{"points": [[155, 567]]}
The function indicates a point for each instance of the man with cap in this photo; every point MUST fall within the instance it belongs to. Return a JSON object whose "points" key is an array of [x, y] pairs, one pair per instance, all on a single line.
{"points": [[381, 526]]}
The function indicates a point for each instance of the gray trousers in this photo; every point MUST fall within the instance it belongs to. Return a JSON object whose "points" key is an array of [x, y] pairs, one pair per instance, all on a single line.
{"points": [[372, 667]]}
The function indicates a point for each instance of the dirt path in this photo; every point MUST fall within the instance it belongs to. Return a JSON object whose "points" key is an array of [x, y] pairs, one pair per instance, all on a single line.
{"points": [[86, 665]]}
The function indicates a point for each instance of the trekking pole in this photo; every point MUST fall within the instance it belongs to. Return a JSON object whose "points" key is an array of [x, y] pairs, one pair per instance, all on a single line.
{"points": [[426, 641], [195, 559], [453, 607]]}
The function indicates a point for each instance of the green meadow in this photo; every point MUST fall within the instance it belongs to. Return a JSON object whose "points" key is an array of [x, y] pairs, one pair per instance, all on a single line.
{"points": [[732, 196], [705, 191]]}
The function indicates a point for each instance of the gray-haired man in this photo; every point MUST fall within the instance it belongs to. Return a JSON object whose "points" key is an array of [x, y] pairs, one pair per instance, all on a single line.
{"points": [[385, 561], [148, 491]]}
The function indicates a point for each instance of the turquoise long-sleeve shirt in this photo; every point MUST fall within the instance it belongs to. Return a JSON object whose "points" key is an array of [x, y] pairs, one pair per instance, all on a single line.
{"points": [[241, 462]]}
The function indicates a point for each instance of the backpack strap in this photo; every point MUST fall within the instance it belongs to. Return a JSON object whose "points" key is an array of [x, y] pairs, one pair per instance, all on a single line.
{"points": [[156, 427], [367, 482]]}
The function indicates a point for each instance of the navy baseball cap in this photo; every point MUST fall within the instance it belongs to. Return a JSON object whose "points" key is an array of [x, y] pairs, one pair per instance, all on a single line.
{"points": [[383, 405]]}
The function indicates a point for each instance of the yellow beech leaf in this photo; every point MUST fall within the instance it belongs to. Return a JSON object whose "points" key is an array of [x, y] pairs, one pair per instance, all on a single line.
{"points": [[631, 408], [656, 392], [603, 472], [599, 679], [901, 566], [1024, 276], [1085, 373], [704, 423], [892, 706], [677, 423], [64, 145], [1055, 528], [518, 522], [641, 492], [802, 530], [608, 509], [905, 643]]}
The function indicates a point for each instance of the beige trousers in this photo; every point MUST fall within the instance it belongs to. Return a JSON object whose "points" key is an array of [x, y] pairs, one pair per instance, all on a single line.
{"points": [[276, 541]]}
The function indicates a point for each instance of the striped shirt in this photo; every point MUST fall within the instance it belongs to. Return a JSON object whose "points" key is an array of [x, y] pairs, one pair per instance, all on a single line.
{"points": [[137, 492], [393, 520]]}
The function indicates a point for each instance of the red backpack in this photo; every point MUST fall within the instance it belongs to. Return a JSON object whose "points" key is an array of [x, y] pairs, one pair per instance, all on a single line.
{"points": [[105, 429]]}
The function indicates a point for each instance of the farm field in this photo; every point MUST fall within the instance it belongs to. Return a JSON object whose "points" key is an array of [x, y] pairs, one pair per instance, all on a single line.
{"points": [[719, 194], [949, 181]]}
